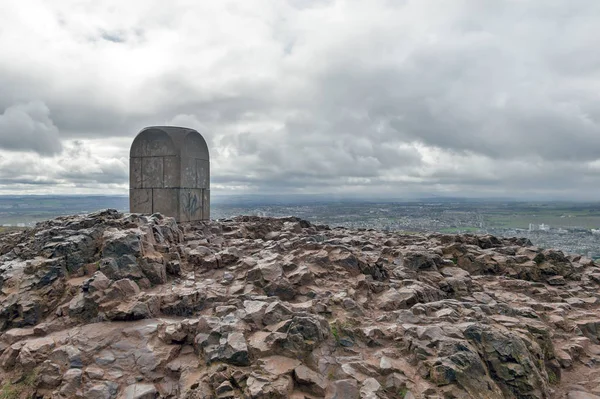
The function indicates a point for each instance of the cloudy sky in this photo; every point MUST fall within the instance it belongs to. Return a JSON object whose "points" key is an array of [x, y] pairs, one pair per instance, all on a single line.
{"points": [[349, 97]]}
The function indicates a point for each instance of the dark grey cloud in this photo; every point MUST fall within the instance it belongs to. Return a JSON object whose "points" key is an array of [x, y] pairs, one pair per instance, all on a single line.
{"points": [[315, 95], [75, 167], [28, 127]]}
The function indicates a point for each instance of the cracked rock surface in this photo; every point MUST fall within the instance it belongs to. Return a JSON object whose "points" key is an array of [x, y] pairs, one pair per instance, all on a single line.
{"points": [[112, 305]]}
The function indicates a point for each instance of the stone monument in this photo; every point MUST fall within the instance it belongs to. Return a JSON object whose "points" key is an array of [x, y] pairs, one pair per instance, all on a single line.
{"points": [[169, 172]]}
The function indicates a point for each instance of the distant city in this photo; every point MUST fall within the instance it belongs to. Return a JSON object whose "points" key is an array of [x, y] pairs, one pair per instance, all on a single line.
{"points": [[570, 226]]}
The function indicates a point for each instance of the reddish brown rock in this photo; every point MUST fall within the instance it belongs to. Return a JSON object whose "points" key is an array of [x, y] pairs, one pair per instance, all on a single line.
{"points": [[109, 305]]}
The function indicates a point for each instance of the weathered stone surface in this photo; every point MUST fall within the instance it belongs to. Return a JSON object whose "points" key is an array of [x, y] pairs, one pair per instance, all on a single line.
{"points": [[236, 350], [113, 305], [581, 395], [278, 365], [169, 172], [105, 390], [67, 356], [71, 383], [343, 389], [309, 380], [140, 391]]}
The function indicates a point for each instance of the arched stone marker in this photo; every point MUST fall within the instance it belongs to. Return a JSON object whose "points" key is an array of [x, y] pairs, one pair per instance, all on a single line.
{"points": [[169, 172]]}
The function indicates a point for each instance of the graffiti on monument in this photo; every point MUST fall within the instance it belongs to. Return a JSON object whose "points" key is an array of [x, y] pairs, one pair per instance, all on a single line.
{"points": [[191, 204]]}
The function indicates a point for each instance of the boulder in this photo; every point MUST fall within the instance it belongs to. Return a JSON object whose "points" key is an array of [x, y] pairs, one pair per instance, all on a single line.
{"points": [[310, 381]]}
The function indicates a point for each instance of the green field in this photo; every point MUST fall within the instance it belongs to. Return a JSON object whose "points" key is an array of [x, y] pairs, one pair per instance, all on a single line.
{"points": [[454, 230], [25, 209], [519, 215]]}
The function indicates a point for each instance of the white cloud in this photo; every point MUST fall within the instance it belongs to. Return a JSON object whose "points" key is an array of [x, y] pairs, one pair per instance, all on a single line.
{"points": [[29, 127], [85, 166], [382, 97]]}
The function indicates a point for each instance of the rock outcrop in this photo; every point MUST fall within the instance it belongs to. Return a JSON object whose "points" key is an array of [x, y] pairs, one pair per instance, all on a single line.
{"points": [[111, 305]]}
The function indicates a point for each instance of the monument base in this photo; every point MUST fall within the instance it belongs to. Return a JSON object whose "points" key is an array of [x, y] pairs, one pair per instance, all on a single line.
{"points": [[185, 204]]}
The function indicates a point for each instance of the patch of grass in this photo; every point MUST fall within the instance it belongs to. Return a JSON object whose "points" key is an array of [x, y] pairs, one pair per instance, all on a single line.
{"points": [[335, 332], [331, 375], [552, 378], [402, 392], [9, 391], [16, 390], [342, 328], [30, 379], [346, 324], [352, 322]]}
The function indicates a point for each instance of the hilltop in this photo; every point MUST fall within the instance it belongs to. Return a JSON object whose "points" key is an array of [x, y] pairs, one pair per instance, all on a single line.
{"points": [[113, 305]]}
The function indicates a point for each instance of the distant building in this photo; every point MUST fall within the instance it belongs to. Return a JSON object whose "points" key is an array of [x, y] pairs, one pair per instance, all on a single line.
{"points": [[596, 231], [544, 227], [531, 227]]}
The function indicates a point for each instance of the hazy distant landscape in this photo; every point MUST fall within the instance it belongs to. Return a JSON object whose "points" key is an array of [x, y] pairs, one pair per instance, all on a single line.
{"points": [[570, 226], [26, 210]]}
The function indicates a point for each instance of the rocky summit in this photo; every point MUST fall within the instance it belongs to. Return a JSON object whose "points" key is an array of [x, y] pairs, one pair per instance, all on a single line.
{"points": [[112, 305]]}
